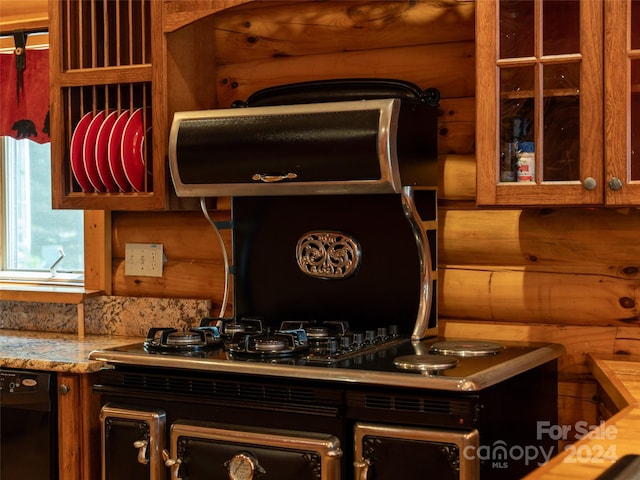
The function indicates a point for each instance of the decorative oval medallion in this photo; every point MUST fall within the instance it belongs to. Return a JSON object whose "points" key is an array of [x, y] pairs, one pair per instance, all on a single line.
{"points": [[328, 255]]}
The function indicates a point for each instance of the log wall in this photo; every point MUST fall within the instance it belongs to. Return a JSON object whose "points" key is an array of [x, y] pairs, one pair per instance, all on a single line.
{"points": [[19, 15], [569, 275]]}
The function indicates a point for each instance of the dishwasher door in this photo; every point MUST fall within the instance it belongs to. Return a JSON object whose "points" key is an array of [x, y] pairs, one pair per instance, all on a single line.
{"points": [[28, 425]]}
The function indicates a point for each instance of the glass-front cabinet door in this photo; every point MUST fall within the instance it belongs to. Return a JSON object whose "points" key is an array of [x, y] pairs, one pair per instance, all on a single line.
{"points": [[539, 102], [622, 100]]}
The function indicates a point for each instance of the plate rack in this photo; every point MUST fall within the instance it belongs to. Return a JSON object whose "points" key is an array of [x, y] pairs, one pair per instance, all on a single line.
{"points": [[122, 98], [104, 52]]}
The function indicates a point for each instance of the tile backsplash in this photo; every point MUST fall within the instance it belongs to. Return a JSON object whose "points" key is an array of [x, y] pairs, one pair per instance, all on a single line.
{"points": [[108, 315]]}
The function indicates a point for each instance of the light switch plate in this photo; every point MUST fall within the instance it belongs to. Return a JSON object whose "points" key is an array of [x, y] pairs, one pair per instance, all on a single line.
{"points": [[143, 259]]}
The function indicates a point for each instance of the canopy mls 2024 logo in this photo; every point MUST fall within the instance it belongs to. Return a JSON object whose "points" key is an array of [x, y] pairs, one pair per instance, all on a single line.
{"points": [[500, 454]]}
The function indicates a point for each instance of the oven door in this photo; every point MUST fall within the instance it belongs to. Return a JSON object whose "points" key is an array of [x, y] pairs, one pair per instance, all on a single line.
{"points": [[204, 450], [133, 440], [386, 452]]}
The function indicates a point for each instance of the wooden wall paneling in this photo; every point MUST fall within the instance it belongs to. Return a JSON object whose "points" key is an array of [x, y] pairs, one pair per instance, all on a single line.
{"points": [[185, 235], [552, 295], [187, 279], [445, 62], [177, 14], [456, 126], [562, 236], [628, 341], [194, 267], [190, 69], [457, 179], [311, 28]]}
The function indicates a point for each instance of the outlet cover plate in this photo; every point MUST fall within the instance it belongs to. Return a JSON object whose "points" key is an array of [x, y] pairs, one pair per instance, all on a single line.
{"points": [[143, 259]]}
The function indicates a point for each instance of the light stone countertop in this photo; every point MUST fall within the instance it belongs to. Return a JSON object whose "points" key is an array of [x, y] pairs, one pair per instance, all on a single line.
{"points": [[55, 352]]}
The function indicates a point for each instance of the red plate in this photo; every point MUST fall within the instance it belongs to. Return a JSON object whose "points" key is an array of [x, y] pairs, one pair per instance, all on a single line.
{"points": [[89, 152], [133, 150], [76, 153], [102, 158], [113, 152]]}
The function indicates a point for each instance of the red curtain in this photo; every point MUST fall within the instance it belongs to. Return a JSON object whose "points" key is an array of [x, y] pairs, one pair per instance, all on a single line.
{"points": [[25, 114]]}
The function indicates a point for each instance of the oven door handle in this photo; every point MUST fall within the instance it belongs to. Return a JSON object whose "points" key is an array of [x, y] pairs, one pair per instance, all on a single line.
{"points": [[173, 464], [362, 468], [271, 178], [141, 445]]}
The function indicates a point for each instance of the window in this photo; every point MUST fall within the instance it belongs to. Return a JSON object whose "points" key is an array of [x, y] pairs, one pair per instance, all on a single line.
{"points": [[37, 243]]}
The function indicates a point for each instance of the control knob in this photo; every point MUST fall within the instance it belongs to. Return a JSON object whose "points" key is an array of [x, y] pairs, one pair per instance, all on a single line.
{"points": [[243, 466]]}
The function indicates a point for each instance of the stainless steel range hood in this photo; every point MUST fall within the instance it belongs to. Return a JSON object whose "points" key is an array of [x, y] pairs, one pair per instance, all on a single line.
{"points": [[375, 145]]}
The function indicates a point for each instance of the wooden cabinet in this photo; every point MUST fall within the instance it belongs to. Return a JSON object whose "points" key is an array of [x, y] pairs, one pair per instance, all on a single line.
{"points": [[105, 60], [540, 82], [78, 427], [622, 101]]}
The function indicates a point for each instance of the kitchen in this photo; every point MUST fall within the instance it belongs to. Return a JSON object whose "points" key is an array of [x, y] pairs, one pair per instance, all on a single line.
{"points": [[504, 273]]}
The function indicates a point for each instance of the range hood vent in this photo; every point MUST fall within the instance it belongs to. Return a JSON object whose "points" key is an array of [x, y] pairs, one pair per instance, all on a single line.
{"points": [[352, 137]]}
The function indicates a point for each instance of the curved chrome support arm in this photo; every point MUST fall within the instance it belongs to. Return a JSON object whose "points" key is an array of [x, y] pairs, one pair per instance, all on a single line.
{"points": [[426, 294]]}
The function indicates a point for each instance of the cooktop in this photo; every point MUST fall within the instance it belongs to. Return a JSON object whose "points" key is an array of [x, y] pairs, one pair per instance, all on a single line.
{"points": [[399, 362]]}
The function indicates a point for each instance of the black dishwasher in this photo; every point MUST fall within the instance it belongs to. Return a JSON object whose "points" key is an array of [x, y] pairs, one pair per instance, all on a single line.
{"points": [[28, 425]]}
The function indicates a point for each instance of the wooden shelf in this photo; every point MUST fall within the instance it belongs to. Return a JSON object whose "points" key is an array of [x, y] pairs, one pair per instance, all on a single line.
{"points": [[106, 76], [556, 92], [20, 292]]}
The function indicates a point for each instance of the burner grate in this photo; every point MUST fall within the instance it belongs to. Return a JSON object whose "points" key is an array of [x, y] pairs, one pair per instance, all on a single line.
{"points": [[166, 339]]}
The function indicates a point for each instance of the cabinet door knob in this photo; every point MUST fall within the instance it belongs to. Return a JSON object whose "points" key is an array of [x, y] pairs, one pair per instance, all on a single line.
{"points": [[615, 183], [64, 389], [589, 183]]}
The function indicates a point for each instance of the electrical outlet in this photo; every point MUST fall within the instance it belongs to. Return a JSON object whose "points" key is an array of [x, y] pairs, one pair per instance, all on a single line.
{"points": [[143, 259]]}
